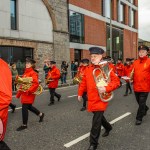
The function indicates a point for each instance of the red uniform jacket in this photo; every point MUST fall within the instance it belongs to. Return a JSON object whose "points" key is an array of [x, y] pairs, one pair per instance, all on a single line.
{"points": [[119, 69], [112, 66], [53, 74], [28, 97], [5, 93], [81, 71], [88, 83], [127, 71], [141, 76]]}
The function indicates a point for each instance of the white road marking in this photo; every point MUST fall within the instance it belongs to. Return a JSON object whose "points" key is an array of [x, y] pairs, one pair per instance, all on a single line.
{"points": [[72, 96], [15, 109], [88, 134]]}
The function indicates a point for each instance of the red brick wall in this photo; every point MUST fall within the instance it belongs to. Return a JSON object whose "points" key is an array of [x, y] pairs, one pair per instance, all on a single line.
{"points": [[71, 54], [95, 31], [114, 10], [136, 19], [136, 2], [126, 14], [91, 5], [130, 44], [86, 54]]}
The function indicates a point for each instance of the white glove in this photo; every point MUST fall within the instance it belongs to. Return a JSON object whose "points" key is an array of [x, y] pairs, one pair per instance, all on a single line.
{"points": [[79, 98], [102, 89]]}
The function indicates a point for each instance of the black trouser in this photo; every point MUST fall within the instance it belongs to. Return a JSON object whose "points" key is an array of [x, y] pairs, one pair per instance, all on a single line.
{"points": [[52, 94], [3, 146], [84, 96], [128, 86], [12, 106], [120, 81], [25, 108], [98, 121], [141, 98]]}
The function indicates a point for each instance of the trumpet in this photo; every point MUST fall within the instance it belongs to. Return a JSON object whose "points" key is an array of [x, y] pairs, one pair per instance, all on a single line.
{"points": [[24, 83], [103, 79]]}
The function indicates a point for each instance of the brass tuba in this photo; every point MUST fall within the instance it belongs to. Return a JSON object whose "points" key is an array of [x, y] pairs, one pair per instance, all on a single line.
{"points": [[78, 78], [103, 79], [24, 83]]}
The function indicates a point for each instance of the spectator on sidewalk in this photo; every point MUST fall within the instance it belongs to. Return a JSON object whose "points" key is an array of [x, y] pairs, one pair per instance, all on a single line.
{"points": [[46, 67], [72, 69], [14, 72], [64, 67]]}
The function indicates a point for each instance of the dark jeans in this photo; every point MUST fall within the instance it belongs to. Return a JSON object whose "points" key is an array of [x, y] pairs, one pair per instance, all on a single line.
{"points": [[98, 121], [52, 94], [84, 96], [4, 146], [63, 78], [120, 81], [12, 105], [141, 98], [25, 108], [128, 86]]}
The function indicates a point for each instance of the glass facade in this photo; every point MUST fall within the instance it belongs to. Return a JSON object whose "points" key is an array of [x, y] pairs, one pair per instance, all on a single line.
{"points": [[132, 18], [117, 43], [122, 13], [13, 15], [16, 55], [76, 27], [77, 55], [107, 5]]}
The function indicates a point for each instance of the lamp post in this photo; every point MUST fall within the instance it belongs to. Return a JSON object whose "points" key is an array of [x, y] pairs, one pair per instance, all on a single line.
{"points": [[110, 28]]}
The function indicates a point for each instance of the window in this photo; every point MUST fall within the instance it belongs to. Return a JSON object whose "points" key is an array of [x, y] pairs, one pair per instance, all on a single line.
{"points": [[77, 55], [76, 27], [107, 4], [13, 15], [117, 43], [16, 55], [102, 7], [132, 18], [122, 13]]}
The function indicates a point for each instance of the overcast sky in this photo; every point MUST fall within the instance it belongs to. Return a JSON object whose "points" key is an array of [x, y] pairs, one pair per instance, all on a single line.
{"points": [[144, 19]]}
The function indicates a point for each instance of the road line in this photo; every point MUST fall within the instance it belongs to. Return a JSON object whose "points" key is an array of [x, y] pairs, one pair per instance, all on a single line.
{"points": [[72, 96], [15, 109], [88, 134]]}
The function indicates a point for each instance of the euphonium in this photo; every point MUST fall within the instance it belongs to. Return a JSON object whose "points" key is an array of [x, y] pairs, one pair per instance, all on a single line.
{"points": [[23, 84], [78, 78], [103, 79]]}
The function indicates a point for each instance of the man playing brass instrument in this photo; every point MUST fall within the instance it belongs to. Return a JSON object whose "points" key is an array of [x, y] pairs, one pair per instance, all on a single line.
{"points": [[95, 104], [28, 96]]}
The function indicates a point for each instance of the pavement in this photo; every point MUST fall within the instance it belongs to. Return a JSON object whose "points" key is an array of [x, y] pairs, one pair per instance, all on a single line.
{"points": [[65, 127]]}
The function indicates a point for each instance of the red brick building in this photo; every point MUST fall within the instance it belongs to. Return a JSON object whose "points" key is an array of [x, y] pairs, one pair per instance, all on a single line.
{"points": [[93, 22]]}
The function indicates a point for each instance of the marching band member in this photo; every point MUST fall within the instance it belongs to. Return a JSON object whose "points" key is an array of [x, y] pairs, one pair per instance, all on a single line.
{"points": [[141, 82], [127, 71], [52, 78], [119, 70], [95, 104], [83, 64], [5, 99], [28, 97]]}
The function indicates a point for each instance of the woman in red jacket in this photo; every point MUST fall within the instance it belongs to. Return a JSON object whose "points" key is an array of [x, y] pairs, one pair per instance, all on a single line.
{"points": [[95, 104], [5, 99], [52, 78], [141, 82], [28, 97]]}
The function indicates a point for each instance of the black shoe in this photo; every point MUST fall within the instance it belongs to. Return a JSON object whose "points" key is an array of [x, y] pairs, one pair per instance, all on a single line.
{"points": [[21, 128], [125, 95], [92, 147], [41, 118], [59, 98], [4, 146], [83, 109], [51, 103], [13, 109], [106, 133], [138, 122]]}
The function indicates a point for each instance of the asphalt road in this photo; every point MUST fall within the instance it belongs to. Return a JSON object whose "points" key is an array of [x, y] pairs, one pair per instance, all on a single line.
{"points": [[64, 122]]}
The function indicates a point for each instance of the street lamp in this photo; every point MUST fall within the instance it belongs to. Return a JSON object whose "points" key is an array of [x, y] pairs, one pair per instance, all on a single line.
{"points": [[110, 28]]}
